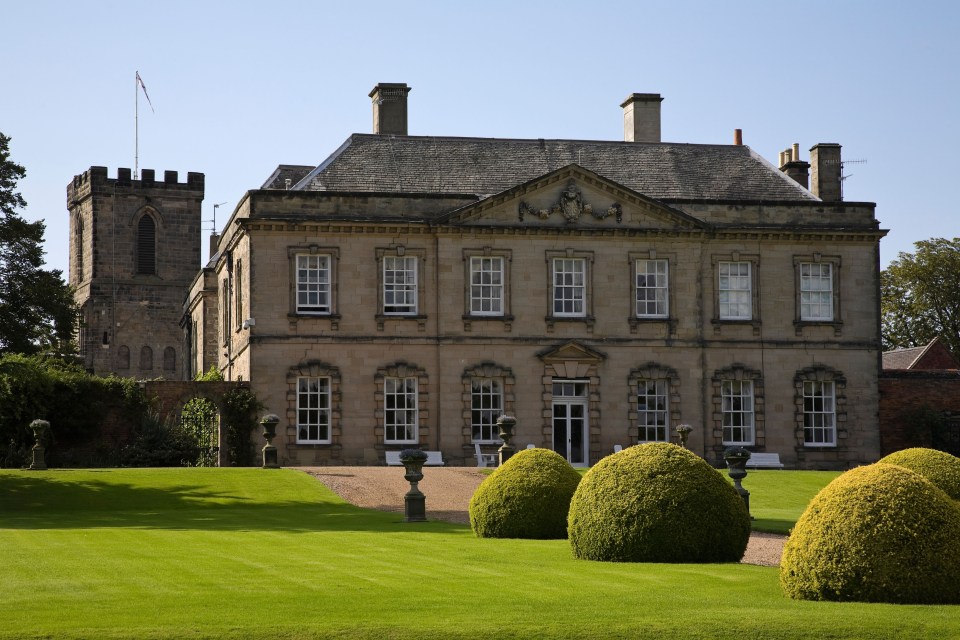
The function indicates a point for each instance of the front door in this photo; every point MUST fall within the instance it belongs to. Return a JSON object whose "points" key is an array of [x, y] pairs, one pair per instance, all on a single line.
{"points": [[570, 404]]}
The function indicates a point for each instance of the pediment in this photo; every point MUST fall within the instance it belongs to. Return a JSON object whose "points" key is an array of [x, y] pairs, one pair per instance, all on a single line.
{"points": [[572, 351], [572, 197]]}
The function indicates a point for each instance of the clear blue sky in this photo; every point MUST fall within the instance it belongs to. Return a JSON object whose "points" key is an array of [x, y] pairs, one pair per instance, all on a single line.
{"points": [[241, 87]]}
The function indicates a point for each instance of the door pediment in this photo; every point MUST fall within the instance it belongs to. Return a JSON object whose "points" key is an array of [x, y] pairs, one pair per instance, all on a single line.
{"points": [[572, 352]]}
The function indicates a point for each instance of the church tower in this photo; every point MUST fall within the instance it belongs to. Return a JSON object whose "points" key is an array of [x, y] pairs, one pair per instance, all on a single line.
{"points": [[134, 250]]}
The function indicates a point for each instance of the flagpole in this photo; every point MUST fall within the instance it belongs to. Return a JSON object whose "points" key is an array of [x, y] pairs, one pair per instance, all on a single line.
{"points": [[136, 126]]}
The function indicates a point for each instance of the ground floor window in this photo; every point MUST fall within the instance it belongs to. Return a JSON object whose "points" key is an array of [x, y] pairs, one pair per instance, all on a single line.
{"points": [[737, 408], [400, 410], [653, 411], [819, 418], [486, 406], [313, 410]]}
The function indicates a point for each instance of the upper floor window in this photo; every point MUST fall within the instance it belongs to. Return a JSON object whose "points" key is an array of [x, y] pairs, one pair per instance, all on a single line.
{"points": [[313, 410], [485, 407], [146, 358], [569, 287], [313, 283], [400, 285], [651, 289], [78, 241], [486, 285], [238, 293], [169, 359], [735, 290], [146, 246], [736, 401]]}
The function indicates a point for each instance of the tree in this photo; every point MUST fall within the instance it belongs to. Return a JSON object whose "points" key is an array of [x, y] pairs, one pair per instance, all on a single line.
{"points": [[37, 311], [920, 296]]}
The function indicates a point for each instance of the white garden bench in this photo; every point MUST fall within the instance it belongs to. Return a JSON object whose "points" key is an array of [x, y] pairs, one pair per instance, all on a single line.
{"points": [[485, 459], [434, 459], [764, 461]]}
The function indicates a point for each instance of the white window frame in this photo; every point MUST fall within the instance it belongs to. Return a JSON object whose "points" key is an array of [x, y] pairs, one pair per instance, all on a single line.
{"points": [[660, 290], [657, 418], [401, 415], [738, 410], [320, 285], [487, 275], [816, 292], [819, 413], [577, 290], [407, 287], [314, 415], [483, 418], [735, 290]]}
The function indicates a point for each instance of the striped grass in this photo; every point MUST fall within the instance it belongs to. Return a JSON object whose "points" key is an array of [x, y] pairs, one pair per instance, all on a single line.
{"points": [[251, 553]]}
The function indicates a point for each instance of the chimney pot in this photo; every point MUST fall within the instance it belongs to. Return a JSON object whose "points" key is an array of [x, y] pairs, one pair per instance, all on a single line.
{"points": [[390, 108], [641, 117], [738, 137]]}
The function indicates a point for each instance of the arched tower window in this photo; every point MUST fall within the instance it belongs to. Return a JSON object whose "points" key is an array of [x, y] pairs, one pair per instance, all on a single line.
{"points": [[123, 357], [146, 358], [146, 246], [78, 241]]}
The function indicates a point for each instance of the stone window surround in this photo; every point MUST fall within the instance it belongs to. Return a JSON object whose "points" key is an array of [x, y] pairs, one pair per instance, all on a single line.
{"points": [[402, 369], [588, 317], [736, 256], [485, 369], [652, 371], [506, 316], [632, 317], [315, 369], [399, 250], [741, 372], [821, 373], [315, 250], [818, 258], [78, 241], [238, 296]]}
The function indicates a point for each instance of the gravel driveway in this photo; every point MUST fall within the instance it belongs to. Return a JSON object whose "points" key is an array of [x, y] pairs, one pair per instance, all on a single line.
{"points": [[448, 491]]}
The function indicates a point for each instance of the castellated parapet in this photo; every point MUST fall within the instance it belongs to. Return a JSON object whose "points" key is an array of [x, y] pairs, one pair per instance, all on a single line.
{"points": [[134, 249]]}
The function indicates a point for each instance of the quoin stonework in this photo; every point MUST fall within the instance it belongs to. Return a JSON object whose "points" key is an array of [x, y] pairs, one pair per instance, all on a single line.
{"points": [[411, 289]]}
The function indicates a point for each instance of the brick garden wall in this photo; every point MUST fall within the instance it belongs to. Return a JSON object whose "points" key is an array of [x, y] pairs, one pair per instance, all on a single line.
{"points": [[905, 392]]}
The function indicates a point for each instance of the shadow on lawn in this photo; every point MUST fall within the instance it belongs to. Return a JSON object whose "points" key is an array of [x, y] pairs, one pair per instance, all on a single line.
{"points": [[39, 503]]}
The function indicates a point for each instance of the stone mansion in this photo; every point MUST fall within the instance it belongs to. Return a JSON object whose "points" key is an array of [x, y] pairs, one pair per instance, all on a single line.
{"points": [[410, 289]]}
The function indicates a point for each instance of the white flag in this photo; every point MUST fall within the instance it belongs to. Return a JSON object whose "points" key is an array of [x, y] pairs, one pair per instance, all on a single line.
{"points": [[144, 87]]}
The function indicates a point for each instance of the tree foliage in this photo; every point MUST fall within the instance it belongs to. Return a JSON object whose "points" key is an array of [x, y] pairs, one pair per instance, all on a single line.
{"points": [[37, 311], [920, 296]]}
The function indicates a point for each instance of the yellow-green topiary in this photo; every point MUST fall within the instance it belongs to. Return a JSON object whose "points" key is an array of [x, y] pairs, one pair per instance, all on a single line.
{"points": [[880, 533], [939, 467], [657, 503], [527, 497]]}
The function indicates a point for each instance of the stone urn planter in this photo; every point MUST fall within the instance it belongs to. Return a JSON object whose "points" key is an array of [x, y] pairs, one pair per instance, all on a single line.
{"points": [[269, 423], [506, 425], [736, 458], [40, 428], [414, 502], [683, 432]]}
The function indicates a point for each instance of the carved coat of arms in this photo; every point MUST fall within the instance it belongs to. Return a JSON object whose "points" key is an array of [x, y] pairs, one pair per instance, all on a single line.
{"points": [[571, 206]]}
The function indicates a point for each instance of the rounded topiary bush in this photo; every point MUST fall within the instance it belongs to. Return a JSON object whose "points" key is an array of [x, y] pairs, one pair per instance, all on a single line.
{"points": [[527, 497], [657, 503], [880, 533], [939, 467]]}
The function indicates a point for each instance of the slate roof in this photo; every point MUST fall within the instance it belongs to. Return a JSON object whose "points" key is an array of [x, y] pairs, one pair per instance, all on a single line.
{"points": [[295, 172], [486, 166]]}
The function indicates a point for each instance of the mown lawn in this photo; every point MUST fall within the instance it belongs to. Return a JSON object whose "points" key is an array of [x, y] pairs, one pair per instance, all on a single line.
{"points": [[251, 553]]}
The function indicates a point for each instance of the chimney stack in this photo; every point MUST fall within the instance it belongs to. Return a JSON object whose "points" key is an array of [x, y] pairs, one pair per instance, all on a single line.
{"points": [[794, 167], [641, 117], [390, 108], [825, 171]]}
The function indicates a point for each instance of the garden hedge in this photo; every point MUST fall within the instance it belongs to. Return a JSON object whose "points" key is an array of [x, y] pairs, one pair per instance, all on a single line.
{"points": [[657, 502], [527, 497], [939, 467], [879, 533]]}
